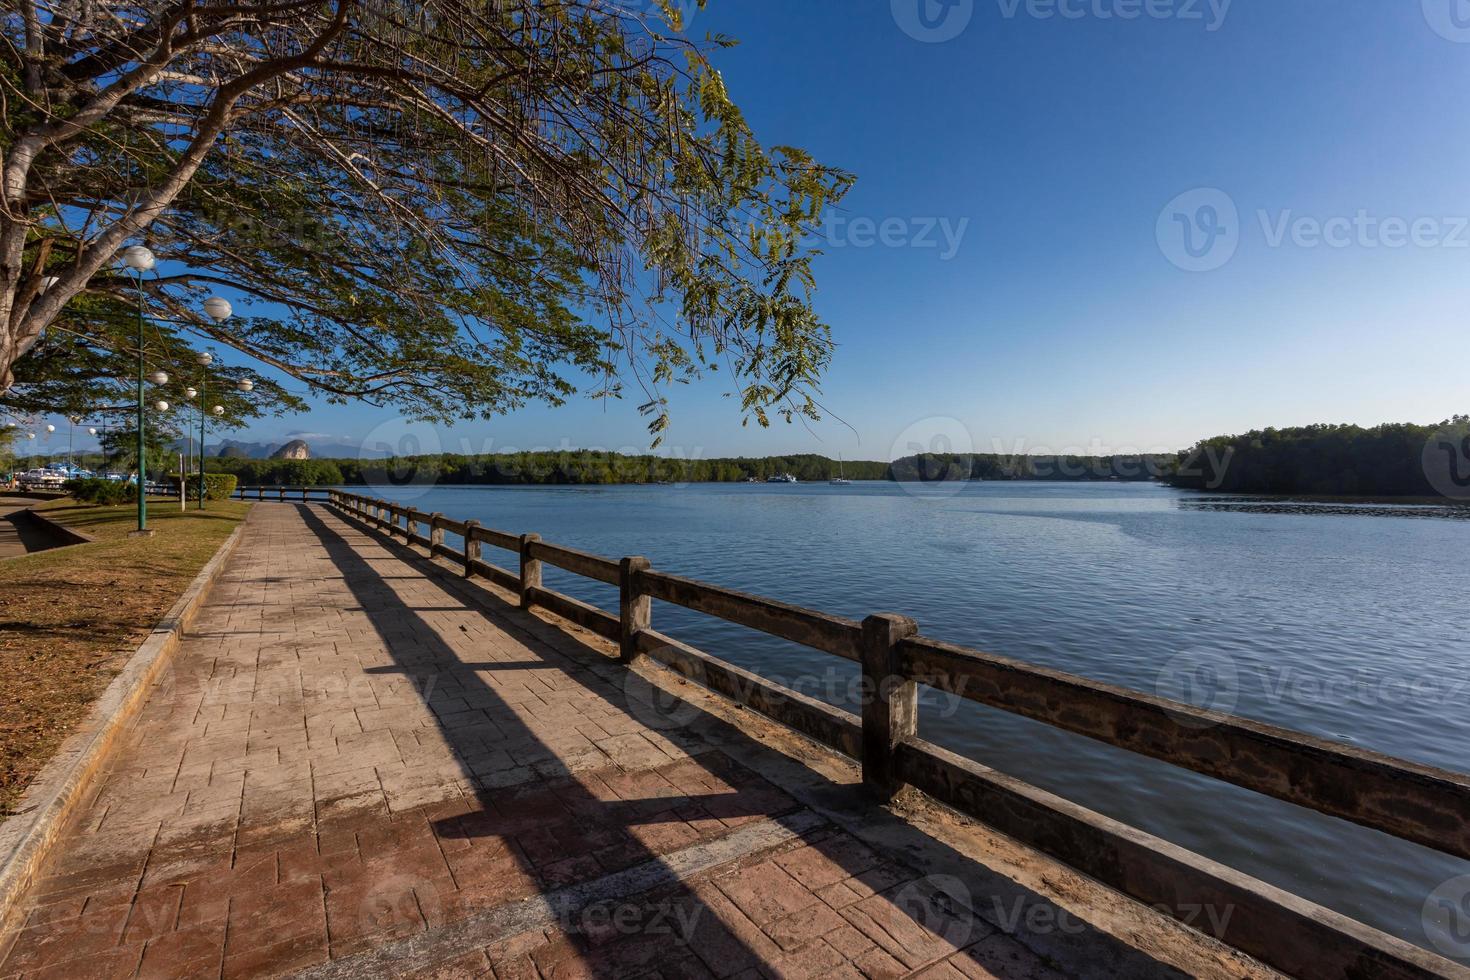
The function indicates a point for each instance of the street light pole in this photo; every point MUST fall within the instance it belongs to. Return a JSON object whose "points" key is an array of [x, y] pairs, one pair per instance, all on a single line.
{"points": [[140, 260], [219, 310], [142, 466]]}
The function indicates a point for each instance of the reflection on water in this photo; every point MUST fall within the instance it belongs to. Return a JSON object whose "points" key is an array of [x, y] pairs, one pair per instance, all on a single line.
{"points": [[1337, 618], [1243, 504]]}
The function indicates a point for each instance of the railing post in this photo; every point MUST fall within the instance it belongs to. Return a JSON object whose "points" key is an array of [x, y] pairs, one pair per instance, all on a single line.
{"points": [[281, 493], [890, 702], [436, 533], [530, 569], [635, 608], [471, 548], [260, 493]]}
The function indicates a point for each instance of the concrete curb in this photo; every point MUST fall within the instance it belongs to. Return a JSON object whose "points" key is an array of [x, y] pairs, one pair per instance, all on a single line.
{"points": [[27, 838]]}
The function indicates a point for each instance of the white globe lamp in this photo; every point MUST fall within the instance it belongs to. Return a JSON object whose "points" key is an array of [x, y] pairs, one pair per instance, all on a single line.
{"points": [[138, 258]]}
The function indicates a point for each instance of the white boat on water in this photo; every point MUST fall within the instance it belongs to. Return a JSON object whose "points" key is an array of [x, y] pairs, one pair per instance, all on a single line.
{"points": [[840, 480], [781, 478]]}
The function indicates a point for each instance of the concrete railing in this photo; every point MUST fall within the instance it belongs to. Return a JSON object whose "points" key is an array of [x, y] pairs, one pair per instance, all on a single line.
{"points": [[1414, 802]]}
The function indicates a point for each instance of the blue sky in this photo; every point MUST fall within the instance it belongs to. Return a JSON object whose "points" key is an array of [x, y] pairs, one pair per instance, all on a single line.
{"points": [[1029, 294]]}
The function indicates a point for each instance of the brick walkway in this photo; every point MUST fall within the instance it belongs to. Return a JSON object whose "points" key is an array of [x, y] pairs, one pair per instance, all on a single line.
{"points": [[353, 772]]}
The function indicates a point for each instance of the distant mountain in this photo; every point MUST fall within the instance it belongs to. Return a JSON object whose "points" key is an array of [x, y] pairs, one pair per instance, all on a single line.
{"points": [[295, 449], [237, 449], [267, 450]]}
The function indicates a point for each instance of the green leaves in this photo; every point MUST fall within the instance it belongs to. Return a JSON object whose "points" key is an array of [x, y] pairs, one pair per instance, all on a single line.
{"points": [[455, 208]]}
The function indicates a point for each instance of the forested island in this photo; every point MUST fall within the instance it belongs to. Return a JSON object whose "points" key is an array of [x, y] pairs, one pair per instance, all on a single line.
{"points": [[1392, 460], [584, 467]]}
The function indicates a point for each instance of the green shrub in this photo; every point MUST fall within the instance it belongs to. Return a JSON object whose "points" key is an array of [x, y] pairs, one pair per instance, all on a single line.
{"points": [[107, 492], [217, 486]]}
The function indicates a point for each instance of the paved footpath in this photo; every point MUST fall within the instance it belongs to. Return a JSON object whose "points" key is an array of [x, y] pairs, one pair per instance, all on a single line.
{"points": [[350, 770]]}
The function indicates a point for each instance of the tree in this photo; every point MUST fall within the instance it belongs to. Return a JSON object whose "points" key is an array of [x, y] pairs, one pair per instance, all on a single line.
{"points": [[120, 446], [452, 207]]}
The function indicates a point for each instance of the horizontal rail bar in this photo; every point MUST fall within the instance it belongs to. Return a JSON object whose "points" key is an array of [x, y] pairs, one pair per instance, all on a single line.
{"points": [[1287, 932], [501, 577], [832, 634], [452, 526], [500, 539], [579, 562], [418, 539], [1416, 802], [819, 721], [588, 616], [444, 551]]}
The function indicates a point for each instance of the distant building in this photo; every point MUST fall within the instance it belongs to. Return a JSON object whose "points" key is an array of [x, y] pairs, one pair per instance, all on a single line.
{"points": [[295, 449]]}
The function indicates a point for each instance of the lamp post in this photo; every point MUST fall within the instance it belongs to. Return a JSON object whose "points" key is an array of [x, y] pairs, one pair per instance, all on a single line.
{"points": [[140, 260], [218, 309], [71, 425]]}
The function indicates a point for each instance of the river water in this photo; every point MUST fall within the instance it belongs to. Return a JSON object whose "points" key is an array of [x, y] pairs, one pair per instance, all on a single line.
{"points": [[1347, 621]]}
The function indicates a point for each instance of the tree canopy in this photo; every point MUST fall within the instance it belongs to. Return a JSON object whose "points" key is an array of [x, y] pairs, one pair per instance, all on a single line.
{"points": [[449, 207], [1394, 459]]}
